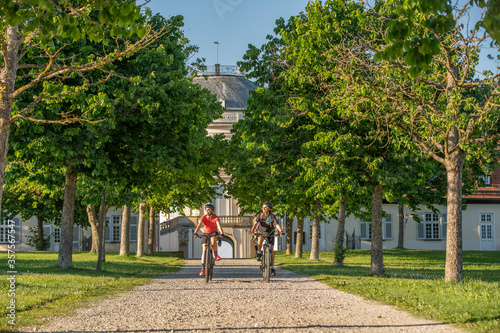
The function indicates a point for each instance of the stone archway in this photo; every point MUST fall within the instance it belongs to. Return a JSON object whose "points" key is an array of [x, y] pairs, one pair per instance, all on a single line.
{"points": [[226, 249]]}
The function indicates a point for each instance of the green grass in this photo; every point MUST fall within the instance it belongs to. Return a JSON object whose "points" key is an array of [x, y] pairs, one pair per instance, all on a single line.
{"points": [[414, 282], [42, 290]]}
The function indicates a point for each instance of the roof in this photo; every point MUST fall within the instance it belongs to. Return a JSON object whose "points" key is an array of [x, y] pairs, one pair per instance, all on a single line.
{"points": [[232, 90]]}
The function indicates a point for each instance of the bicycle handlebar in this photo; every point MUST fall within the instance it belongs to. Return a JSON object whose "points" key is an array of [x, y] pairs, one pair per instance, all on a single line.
{"points": [[198, 236], [267, 234]]}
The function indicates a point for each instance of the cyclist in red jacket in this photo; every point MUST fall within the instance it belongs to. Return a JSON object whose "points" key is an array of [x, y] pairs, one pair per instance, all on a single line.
{"points": [[266, 222], [211, 228]]}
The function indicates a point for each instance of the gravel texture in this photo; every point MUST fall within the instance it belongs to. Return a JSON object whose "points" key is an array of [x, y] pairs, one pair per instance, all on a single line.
{"points": [[237, 300]]}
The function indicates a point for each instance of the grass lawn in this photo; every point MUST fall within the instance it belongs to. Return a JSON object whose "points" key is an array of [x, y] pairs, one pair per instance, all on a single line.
{"points": [[414, 282], [42, 290]]}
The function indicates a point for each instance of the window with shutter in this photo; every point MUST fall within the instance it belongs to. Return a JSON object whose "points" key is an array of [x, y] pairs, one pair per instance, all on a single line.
{"points": [[431, 226], [107, 237], [46, 232], [133, 227], [388, 227], [365, 230], [444, 225], [76, 234], [8, 228]]}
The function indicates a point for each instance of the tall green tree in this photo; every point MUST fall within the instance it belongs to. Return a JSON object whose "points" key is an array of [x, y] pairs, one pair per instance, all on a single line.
{"points": [[351, 161], [51, 28], [427, 88], [154, 123]]}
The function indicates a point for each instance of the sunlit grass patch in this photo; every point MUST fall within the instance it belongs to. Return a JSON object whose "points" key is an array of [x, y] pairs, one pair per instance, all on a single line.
{"points": [[43, 290], [414, 282]]}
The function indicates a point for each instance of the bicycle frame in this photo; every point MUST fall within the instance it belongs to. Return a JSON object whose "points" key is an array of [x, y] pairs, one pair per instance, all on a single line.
{"points": [[208, 256]]}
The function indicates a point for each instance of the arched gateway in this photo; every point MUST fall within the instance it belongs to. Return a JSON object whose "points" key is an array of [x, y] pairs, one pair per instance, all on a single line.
{"points": [[176, 232]]}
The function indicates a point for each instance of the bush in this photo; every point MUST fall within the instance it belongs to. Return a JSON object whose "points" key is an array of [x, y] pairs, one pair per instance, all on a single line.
{"points": [[33, 240], [339, 252]]}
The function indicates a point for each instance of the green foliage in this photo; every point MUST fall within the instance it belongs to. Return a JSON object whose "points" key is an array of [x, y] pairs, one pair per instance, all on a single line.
{"points": [[76, 20], [145, 130], [416, 28], [33, 240], [491, 21], [339, 251], [414, 282]]}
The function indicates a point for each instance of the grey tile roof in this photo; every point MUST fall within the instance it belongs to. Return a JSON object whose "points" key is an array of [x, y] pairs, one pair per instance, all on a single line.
{"points": [[233, 89]]}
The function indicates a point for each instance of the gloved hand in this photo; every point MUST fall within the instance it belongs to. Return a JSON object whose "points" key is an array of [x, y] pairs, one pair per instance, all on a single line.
{"points": [[282, 233], [251, 232]]}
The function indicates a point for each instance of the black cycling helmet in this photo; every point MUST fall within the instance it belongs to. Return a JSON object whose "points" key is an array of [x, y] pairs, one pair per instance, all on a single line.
{"points": [[210, 206], [268, 204]]}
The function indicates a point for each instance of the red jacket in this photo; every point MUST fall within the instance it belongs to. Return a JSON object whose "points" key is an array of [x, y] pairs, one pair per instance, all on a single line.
{"points": [[209, 224]]}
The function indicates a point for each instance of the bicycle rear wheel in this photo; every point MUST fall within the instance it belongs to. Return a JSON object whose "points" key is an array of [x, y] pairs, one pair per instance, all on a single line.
{"points": [[208, 264], [267, 264]]}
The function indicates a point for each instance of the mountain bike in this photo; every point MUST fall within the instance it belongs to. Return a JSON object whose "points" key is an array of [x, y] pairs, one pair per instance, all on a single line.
{"points": [[265, 264], [208, 255]]}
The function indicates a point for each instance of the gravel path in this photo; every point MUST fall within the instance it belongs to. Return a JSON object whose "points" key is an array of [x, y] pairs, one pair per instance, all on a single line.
{"points": [[237, 300]]}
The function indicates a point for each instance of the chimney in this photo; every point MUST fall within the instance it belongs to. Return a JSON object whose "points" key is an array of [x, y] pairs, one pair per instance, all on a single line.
{"points": [[217, 69]]}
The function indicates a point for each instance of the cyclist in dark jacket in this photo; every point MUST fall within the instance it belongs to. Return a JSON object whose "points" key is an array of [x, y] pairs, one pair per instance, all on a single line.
{"points": [[266, 222]]}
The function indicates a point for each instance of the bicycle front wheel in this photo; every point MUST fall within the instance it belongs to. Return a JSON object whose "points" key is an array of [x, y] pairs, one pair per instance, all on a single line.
{"points": [[267, 264], [208, 264]]}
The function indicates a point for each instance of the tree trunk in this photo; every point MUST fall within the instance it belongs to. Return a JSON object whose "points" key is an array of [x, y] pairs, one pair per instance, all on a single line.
{"points": [[140, 229], [454, 260], [300, 239], [315, 239], [125, 232], [8, 76], [151, 233], [95, 227], [41, 236], [377, 266], [102, 223], [339, 239], [65, 259], [401, 217], [289, 235]]}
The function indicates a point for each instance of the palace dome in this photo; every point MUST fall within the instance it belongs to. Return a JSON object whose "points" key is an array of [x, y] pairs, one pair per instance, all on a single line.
{"points": [[230, 86]]}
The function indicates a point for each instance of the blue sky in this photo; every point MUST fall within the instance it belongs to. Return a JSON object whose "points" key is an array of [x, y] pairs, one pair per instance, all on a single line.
{"points": [[237, 23], [233, 23]]}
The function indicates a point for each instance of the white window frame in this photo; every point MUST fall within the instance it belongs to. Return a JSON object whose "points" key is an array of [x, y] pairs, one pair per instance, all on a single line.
{"points": [[484, 221], [5, 230], [432, 226], [113, 228], [365, 228], [54, 232]]}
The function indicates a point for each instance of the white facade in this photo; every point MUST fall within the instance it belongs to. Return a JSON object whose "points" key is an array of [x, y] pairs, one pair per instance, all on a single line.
{"points": [[479, 229]]}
